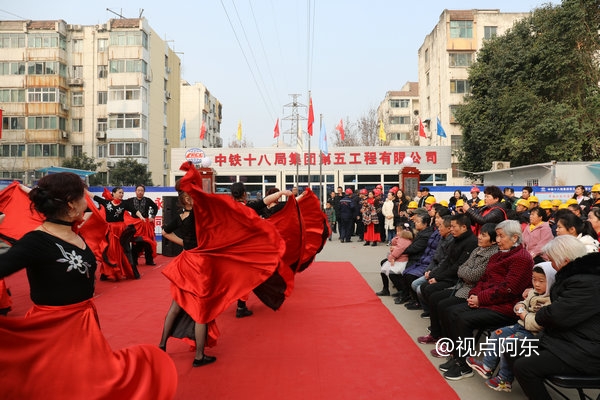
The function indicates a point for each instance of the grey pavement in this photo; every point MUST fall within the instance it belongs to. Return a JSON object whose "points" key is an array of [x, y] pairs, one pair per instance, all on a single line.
{"points": [[366, 260]]}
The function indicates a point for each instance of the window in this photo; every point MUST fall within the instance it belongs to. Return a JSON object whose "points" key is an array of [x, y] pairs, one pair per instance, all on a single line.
{"points": [[400, 136], [461, 59], [122, 66], [102, 124], [51, 40], [102, 151], [76, 150], [12, 95], [123, 149], [13, 123], [129, 38], [126, 121], [43, 68], [459, 86], [533, 182], [77, 45], [461, 29], [77, 125], [41, 122], [42, 95], [102, 97], [405, 120], [453, 109], [45, 150], [399, 103], [12, 40], [12, 68], [125, 93], [77, 99], [102, 71], [490, 32], [12, 150], [426, 55], [102, 45], [77, 71], [455, 144]]}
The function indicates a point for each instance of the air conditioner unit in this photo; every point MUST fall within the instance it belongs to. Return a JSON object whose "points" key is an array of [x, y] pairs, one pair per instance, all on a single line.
{"points": [[101, 27], [148, 78], [75, 82], [110, 164], [166, 166], [64, 107], [167, 94], [64, 134], [76, 27], [498, 165], [101, 134]]}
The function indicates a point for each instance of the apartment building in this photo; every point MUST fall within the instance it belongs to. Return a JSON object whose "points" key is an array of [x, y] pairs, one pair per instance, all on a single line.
{"points": [[399, 112], [444, 60], [110, 91], [199, 106]]}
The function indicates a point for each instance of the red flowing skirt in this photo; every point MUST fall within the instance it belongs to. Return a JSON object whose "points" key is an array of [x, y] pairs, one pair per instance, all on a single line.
{"points": [[5, 300], [59, 352]]}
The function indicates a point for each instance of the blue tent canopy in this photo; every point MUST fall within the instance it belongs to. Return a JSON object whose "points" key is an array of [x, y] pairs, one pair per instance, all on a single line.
{"points": [[53, 170]]}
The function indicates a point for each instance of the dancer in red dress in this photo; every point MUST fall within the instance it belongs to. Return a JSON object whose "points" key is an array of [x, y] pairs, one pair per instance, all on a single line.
{"points": [[58, 351]]}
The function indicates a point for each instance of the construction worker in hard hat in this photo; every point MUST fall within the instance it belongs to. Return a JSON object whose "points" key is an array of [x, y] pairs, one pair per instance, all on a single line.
{"points": [[583, 199], [596, 195]]}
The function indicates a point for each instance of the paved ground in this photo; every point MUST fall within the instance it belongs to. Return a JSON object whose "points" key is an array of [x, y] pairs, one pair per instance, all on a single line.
{"points": [[366, 260]]}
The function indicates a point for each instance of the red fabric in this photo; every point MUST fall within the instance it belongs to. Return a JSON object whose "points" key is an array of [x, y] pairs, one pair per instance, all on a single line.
{"points": [[143, 229], [202, 130], [276, 130], [60, 352], [19, 218], [315, 226], [340, 128], [94, 231], [228, 262], [311, 117], [107, 194], [422, 129], [5, 300], [117, 265]]}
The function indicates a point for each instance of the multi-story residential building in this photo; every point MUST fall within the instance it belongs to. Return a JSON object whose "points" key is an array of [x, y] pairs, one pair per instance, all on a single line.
{"points": [[110, 91], [399, 112], [199, 106], [444, 60]]}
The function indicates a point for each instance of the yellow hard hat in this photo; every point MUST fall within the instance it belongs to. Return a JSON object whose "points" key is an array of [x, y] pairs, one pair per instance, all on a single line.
{"points": [[444, 203], [563, 206], [546, 204], [596, 188], [413, 205], [556, 203], [430, 200], [523, 202], [481, 203], [571, 201], [460, 203], [533, 199]]}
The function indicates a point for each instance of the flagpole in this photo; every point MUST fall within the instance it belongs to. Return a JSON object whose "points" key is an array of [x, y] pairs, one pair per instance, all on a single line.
{"points": [[298, 141], [309, 137], [321, 165]]}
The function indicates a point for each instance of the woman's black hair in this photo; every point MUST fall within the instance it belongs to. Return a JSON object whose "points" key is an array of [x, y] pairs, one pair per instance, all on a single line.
{"points": [[53, 193], [490, 229]]}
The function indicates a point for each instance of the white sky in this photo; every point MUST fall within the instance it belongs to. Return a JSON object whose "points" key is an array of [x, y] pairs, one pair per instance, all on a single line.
{"points": [[359, 49]]}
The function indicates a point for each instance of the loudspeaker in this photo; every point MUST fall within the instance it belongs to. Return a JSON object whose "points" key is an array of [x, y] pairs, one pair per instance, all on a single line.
{"points": [[170, 212]]}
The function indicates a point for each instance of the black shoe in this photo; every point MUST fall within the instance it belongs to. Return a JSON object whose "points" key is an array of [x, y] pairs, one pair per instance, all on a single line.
{"points": [[458, 371], [203, 361], [414, 306], [151, 262], [410, 303], [374, 244], [348, 240], [451, 362], [341, 240], [242, 312], [367, 243], [103, 277], [398, 294], [400, 300], [425, 315], [384, 292], [163, 348]]}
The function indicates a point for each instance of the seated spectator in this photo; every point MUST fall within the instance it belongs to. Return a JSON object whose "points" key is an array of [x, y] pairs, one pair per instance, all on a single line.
{"points": [[537, 233], [490, 302], [468, 275], [445, 275], [594, 219], [568, 223], [396, 260], [526, 328], [570, 341], [414, 252]]}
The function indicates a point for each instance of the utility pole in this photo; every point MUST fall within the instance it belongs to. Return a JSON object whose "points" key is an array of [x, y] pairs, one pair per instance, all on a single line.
{"points": [[294, 135]]}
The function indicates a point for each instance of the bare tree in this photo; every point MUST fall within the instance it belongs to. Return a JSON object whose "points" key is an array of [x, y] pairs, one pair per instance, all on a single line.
{"points": [[368, 127], [350, 135], [237, 144]]}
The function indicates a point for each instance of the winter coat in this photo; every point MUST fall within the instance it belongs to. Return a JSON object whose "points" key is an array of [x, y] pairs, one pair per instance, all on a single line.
{"points": [[441, 253], [418, 246], [471, 270], [507, 275], [459, 253], [419, 268], [572, 322], [534, 239], [399, 244], [535, 301], [388, 212]]}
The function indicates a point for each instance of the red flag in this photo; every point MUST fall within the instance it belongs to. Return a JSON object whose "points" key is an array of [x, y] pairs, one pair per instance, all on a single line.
{"points": [[276, 130], [311, 117], [340, 128], [422, 129], [1, 123], [202, 130]]}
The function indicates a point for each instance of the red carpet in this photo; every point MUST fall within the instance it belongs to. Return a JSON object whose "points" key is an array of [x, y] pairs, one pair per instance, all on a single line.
{"points": [[332, 339]]}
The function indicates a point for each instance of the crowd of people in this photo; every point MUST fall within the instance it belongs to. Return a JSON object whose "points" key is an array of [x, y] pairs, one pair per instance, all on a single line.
{"points": [[514, 268]]}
